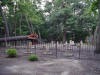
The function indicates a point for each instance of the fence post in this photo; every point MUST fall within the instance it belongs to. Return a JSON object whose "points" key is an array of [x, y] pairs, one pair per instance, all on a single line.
{"points": [[35, 49], [79, 50], [56, 49]]}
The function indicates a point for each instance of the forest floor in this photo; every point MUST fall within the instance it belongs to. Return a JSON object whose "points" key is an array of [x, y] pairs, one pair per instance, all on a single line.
{"points": [[59, 66]]}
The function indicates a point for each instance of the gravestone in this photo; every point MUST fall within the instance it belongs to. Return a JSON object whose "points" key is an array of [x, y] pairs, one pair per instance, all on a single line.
{"points": [[33, 46], [68, 54], [57, 43], [72, 42], [43, 47], [81, 42], [52, 42], [29, 46], [65, 44]]}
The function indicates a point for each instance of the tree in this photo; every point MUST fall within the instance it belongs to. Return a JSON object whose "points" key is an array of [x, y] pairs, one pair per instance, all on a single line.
{"points": [[98, 32], [5, 20], [21, 16], [69, 18], [94, 7], [59, 20]]}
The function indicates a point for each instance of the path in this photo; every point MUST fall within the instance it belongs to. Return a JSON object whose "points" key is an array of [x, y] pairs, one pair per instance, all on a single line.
{"points": [[21, 66]]}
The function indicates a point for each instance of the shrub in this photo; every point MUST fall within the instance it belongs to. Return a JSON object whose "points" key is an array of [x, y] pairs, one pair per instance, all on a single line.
{"points": [[33, 58], [12, 52]]}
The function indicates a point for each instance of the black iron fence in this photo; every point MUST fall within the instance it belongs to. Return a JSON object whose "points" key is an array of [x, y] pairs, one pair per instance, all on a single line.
{"points": [[54, 49]]}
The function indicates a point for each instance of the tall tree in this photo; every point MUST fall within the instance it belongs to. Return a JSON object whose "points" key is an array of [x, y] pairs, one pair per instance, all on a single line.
{"points": [[95, 5], [5, 20], [98, 30]]}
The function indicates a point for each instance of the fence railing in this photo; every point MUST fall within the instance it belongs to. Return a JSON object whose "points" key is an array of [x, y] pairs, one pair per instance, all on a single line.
{"points": [[55, 49]]}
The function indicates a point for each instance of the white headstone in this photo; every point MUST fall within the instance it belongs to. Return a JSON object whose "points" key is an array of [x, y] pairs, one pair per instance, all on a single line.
{"points": [[52, 42], [81, 42], [66, 42], [71, 42], [33, 46], [57, 42]]}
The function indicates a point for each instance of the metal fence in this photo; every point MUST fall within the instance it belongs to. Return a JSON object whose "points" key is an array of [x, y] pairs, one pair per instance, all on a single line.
{"points": [[55, 50]]}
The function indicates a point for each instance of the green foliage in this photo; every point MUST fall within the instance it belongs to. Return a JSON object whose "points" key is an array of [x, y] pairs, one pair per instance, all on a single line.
{"points": [[94, 6], [59, 18], [62, 18], [28, 9], [33, 58], [12, 52]]}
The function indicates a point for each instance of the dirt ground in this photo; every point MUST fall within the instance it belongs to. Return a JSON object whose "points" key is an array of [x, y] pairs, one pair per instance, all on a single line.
{"points": [[62, 66]]}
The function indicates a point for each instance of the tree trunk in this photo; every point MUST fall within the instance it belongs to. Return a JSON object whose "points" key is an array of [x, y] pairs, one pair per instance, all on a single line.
{"points": [[5, 20], [15, 26], [15, 20], [98, 34], [64, 37], [20, 21], [28, 24], [39, 33], [32, 29]]}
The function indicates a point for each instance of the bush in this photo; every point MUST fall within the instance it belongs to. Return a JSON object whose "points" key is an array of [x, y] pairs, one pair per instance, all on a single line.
{"points": [[12, 52], [33, 58]]}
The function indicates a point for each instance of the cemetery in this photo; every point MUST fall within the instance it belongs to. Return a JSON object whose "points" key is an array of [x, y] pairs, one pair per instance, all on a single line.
{"points": [[39, 58], [53, 49], [53, 59], [49, 37]]}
